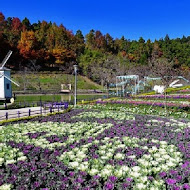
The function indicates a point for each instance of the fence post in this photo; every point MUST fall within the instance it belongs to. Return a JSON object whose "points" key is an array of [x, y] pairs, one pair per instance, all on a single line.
{"points": [[29, 112], [58, 108], [18, 114], [40, 110], [5, 105], [50, 109], [6, 115]]}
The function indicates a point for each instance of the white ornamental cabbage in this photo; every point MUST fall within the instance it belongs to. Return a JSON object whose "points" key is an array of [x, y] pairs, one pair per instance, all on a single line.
{"points": [[5, 187]]}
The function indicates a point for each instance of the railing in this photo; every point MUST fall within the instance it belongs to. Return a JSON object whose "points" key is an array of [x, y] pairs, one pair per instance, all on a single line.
{"points": [[14, 114]]}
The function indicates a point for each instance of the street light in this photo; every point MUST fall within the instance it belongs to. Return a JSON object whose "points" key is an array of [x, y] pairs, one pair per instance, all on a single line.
{"points": [[75, 94]]}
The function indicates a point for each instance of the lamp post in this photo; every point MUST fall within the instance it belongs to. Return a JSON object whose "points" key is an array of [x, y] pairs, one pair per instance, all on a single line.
{"points": [[75, 93]]}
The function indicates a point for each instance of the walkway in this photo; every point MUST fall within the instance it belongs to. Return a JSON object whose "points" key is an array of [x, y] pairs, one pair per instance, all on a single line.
{"points": [[24, 112]]}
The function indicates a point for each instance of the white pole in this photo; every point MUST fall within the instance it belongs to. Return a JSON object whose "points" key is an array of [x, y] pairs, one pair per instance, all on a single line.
{"points": [[138, 84], [116, 86], [75, 93], [135, 87]]}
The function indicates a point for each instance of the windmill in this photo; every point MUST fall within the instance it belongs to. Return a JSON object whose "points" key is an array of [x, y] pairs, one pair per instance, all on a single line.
{"points": [[174, 85], [5, 80]]}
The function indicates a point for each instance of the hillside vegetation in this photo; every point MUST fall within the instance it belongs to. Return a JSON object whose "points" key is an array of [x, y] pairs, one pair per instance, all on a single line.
{"points": [[50, 82], [46, 46]]}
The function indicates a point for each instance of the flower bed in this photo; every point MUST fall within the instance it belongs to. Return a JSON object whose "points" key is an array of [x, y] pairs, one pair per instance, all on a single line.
{"points": [[162, 96], [141, 102], [96, 149]]}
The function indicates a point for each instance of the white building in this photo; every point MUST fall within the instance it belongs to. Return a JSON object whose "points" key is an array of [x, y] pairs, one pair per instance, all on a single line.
{"points": [[5, 84], [5, 80]]}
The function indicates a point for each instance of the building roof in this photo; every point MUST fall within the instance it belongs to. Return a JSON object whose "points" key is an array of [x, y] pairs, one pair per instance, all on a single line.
{"points": [[4, 69]]}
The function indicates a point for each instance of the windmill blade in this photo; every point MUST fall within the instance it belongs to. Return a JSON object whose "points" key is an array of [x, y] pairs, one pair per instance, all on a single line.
{"points": [[177, 85], [6, 59], [174, 82], [11, 80]]}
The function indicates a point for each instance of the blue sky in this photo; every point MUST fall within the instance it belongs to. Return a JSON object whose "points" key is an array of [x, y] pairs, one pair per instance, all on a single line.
{"points": [[130, 18]]}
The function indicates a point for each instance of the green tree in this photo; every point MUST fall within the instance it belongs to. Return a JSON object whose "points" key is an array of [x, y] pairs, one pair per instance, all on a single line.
{"points": [[90, 39], [26, 24]]}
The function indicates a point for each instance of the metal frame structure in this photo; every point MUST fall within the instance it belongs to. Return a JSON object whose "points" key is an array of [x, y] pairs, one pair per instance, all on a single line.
{"points": [[123, 80]]}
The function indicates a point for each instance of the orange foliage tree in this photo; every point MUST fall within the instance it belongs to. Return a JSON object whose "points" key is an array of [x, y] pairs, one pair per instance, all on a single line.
{"points": [[28, 45]]}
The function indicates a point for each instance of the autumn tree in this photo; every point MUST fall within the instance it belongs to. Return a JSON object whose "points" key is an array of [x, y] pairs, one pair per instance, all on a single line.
{"points": [[28, 45]]}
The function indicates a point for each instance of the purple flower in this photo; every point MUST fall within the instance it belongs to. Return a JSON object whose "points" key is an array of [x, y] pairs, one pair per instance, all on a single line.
{"points": [[109, 186], [170, 181], [85, 159], [96, 177], [162, 174], [87, 188], [150, 178], [52, 170], [173, 172], [176, 188], [179, 178], [129, 179], [95, 156], [64, 179], [79, 180], [113, 178], [186, 186], [36, 184], [71, 174], [125, 185], [82, 173], [185, 165]]}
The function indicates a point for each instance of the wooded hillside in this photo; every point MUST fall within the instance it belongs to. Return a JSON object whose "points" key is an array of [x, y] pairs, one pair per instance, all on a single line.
{"points": [[46, 46]]}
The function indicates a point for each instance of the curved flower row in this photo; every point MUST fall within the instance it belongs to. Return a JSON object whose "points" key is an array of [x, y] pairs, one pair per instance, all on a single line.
{"points": [[141, 152], [162, 96], [136, 102]]}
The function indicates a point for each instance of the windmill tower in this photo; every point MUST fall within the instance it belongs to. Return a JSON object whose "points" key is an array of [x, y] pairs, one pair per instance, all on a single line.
{"points": [[5, 80]]}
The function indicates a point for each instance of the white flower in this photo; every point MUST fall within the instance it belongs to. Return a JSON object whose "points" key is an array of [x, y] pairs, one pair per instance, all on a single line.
{"points": [[104, 157], [1, 161], [147, 156], [119, 156], [132, 156], [118, 173], [166, 157], [145, 147], [163, 143], [125, 168], [140, 186], [93, 171], [21, 158], [154, 188], [109, 154], [136, 168], [83, 167], [134, 174], [170, 164], [106, 172], [145, 163], [5, 187], [74, 164], [10, 162], [154, 163]]}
